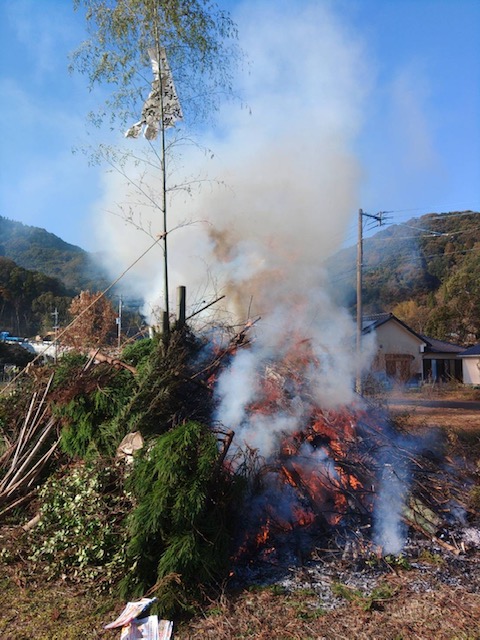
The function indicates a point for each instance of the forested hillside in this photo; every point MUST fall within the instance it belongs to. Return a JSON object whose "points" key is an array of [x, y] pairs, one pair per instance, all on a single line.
{"points": [[426, 271], [38, 250], [28, 299]]}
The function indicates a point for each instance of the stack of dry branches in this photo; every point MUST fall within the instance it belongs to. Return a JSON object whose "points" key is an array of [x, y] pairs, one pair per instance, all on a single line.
{"points": [[27, 452]]}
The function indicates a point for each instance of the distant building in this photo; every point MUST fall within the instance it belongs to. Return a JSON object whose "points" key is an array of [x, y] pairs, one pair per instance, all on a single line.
{"points": [[442, 361], [399, 349], [471, 365], [405, 356]]}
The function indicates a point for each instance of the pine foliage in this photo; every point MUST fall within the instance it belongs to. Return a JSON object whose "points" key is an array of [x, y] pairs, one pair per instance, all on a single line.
{"points": [[167, 393], [89, 405], [180, 527]]}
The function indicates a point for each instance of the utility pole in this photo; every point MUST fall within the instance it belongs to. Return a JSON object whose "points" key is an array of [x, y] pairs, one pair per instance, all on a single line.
{"points": [[55, 328], [358, 378], [378, 217], [119, 322]]}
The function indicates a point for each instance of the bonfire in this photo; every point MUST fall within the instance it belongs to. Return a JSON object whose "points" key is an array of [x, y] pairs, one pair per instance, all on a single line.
{"points": [[345, 478]]}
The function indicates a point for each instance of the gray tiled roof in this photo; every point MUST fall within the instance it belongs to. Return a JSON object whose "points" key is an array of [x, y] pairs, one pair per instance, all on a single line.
{"points": [[439, 346], [472, 351]]}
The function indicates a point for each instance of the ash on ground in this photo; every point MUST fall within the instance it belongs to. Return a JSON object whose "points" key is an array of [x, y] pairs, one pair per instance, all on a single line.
{"points": [[427, 563]]}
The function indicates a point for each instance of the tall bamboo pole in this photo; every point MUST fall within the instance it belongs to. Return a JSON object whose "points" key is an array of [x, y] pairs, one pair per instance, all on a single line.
{"points": [[163, 170], [358, 379]]}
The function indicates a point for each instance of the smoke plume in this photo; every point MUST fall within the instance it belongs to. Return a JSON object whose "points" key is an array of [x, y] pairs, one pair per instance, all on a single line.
{"points": [[277, 195]]}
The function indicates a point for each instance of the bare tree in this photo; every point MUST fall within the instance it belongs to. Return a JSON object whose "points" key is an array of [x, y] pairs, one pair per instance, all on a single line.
{"points": [[157, 55]]}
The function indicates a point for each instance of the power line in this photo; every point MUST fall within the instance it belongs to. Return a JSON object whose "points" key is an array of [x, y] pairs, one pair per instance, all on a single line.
{"points": [[344, 275], [439, 217]]}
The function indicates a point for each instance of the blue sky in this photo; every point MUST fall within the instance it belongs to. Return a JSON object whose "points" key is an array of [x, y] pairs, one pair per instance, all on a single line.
{"points": [[415, 131]]}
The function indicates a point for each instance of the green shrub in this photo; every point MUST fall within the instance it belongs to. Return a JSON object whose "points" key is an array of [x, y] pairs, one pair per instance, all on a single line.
{"points": [[68, 367], [81, 533], [166, 394], [137, 353]]}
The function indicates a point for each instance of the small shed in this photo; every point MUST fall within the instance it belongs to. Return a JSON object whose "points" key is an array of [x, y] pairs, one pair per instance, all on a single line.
{"points": [[471, 365]]}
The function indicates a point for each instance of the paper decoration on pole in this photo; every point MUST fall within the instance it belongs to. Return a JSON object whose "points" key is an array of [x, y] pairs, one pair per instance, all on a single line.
{"points": [[162, 103]]}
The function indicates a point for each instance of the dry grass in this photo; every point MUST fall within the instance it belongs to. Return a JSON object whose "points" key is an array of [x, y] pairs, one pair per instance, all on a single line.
{"points": [[439, 391], [463, 423], [49, 611], [442, 613]]}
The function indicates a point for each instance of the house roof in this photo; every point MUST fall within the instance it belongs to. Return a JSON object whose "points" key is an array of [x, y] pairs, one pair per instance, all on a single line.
{"points": [[377, 319], [472, 351], [439, 346]]}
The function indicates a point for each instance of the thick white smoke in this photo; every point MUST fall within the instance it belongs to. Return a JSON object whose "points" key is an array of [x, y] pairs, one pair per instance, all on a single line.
{"points": [[285, 190], [289, 179]]}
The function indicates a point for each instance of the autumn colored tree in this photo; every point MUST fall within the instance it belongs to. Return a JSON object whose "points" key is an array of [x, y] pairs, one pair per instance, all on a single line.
{"points": [[414, 314], [94, 321]]}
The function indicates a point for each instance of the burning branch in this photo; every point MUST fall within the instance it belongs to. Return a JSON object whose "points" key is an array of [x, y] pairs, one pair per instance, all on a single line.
{"points": [[239, 339], [356, 476]]}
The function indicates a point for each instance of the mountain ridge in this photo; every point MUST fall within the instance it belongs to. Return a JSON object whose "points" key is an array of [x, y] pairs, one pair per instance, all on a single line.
{"points": [[36, 249]]}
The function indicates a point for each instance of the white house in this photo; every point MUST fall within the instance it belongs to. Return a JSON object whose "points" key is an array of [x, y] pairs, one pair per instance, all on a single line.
{"points": [[471, 365], [399, 348], [406, 356]]}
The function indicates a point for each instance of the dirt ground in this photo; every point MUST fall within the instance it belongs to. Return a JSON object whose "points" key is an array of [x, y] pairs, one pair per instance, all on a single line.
{"points": [[452, 419], [456, 420]]}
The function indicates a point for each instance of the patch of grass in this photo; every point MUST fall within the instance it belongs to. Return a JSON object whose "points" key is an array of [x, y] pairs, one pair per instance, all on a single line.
{"points": [[431, 558], [474, 497], [310, 614], [366, 602], [278, 590], [304, 603], [398, 562], [50, 611], [305, 593], [347, 593]]}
